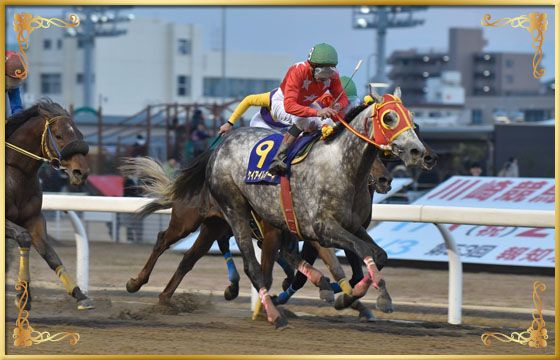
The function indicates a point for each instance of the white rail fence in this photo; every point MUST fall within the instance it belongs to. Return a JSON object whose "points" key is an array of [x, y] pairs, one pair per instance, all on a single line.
{"points": [[438, 215]]}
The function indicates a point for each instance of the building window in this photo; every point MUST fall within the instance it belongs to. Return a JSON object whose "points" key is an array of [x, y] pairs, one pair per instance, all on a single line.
{"points": [[184, 47], [476, 116], [509, 79], [509, 63], [213, 87], [59, 44], [79, 78], [183, 85], [51, 83], [47, 44]]}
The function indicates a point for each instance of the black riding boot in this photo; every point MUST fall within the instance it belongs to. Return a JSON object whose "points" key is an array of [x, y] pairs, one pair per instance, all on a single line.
{"points": [[278, 164]]}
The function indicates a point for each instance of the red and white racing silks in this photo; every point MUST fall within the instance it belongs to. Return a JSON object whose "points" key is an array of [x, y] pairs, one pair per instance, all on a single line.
{"points": [[300, 90]]}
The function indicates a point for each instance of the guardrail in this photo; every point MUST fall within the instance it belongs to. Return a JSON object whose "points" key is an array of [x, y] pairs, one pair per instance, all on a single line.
{"points": [[438, 215]]}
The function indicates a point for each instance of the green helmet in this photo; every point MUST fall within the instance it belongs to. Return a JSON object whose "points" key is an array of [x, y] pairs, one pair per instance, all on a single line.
{"points": [[349, 89], [323, 54]]}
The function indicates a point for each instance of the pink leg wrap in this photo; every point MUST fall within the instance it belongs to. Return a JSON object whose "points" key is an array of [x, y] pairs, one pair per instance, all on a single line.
{"points": [[373, 271], [309, 271], [361, 288], [271, 311]]}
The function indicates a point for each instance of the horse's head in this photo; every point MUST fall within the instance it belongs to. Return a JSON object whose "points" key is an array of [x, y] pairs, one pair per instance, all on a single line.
{"points": [[393, 129], [381, 177], [62, 143]]}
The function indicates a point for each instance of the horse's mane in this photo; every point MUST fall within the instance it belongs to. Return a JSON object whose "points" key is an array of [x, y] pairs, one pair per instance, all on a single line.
{"points": [[351, 115], [44, 104]]}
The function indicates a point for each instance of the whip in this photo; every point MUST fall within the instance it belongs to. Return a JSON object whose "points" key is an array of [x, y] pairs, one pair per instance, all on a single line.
{"points": [[351, 76]]}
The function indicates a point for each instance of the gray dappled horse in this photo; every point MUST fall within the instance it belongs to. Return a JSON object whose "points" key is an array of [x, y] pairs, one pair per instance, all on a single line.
{"points": [[42, 133], [329, 189]]}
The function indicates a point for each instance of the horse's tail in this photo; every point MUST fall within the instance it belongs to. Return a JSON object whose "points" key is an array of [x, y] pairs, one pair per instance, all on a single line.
{"points": [[192, 179], [155, 182]]}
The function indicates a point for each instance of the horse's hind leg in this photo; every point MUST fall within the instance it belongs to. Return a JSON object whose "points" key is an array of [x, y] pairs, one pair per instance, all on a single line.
{"points": [[232, 291], [21, 235], [38, 232], [210, 229], [183, 222]]}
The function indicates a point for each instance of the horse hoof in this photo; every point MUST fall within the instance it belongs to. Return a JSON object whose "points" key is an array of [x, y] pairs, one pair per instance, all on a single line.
{"points": [[85, 304], [327, 295], [343, 301], [385, 304], [132, 286], [366, 316], [281, 323], [232, 291], [286, 284]]}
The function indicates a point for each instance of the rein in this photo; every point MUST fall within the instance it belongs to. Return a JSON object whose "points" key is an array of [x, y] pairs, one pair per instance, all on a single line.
{"points": [[54, 161], [387, 146]]}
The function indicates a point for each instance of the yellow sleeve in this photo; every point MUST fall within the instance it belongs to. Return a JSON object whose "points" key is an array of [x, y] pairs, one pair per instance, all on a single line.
{"points": [[251, 100]]}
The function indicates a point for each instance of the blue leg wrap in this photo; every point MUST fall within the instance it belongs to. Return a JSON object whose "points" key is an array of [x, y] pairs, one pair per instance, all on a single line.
{"points": [[285, 295], [336, 288], [233, 274]]}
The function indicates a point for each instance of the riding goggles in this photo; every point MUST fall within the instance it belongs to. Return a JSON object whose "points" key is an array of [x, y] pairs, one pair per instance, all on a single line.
{"points": [[323, 72]]}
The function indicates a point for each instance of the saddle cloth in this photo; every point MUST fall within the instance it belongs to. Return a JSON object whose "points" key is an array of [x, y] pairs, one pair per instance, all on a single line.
{"points": [[265, 150]]}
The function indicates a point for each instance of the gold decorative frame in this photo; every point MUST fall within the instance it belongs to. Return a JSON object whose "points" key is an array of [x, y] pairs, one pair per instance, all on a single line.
{"points": [[536, 22], [25, 335], [535, 336], [25, 24]]}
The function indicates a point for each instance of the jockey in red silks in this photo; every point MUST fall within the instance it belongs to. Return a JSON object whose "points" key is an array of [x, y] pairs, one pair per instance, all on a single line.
{"points": [[13, 83], [290, 104]]}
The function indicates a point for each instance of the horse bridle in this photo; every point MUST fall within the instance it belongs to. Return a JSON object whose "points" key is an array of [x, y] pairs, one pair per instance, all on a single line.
{"points": [[73, 147], [387, 138]]}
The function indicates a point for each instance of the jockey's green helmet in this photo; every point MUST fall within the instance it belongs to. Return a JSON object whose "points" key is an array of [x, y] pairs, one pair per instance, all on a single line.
{"points": [[350, 89], [323, 54]]}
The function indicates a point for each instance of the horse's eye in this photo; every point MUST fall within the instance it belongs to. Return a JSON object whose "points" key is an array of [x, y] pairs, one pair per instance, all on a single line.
{"points": [[58, 137], [390, 120]]}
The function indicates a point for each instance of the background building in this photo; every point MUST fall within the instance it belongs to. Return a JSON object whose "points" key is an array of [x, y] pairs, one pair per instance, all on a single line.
{"points": [[154, 62], [498, 86]]}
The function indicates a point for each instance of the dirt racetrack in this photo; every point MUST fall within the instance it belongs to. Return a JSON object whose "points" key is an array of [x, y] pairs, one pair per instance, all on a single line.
{"points": [[202, 322]]}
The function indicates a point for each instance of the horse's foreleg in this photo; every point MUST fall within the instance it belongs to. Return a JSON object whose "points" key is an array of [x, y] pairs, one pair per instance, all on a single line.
{"points": [[384, 301], [329, 258], [38, 231], [332, 234], [209, 231], [317, 278], [180, 225], [21, 235]]}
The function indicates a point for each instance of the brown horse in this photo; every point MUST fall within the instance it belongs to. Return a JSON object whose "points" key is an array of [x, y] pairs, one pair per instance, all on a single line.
{"points": [[42, 133], [186, 217]]}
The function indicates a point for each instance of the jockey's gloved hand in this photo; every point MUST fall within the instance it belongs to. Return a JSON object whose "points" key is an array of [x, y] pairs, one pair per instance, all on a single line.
{"points": [[225, 128], [326, 113]]}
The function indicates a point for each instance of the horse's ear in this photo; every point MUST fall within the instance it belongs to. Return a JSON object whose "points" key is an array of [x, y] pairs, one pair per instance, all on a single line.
{"points": [[376, 97], [45, 114], [397, 92]]}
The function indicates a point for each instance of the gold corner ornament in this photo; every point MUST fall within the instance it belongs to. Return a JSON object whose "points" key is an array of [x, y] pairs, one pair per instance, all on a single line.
{"points": [[25, 24], [24, 335], [536, 23], [535, 336]]}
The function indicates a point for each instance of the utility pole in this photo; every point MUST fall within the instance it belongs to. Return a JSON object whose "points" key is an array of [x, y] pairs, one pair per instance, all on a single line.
{"points": [[95, 21], [382, 18]]}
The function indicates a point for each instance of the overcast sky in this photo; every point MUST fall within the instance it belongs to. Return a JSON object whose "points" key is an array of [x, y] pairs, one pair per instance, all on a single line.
{"points": [[294, 30]]}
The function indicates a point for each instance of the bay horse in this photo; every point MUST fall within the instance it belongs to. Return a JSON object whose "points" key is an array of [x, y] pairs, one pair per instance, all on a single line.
{"points": [[330, 194], [42, 133]]}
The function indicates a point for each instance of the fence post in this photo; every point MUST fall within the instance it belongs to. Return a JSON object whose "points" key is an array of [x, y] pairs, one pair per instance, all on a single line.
{"points": [[455, 297], [82, 251]]}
